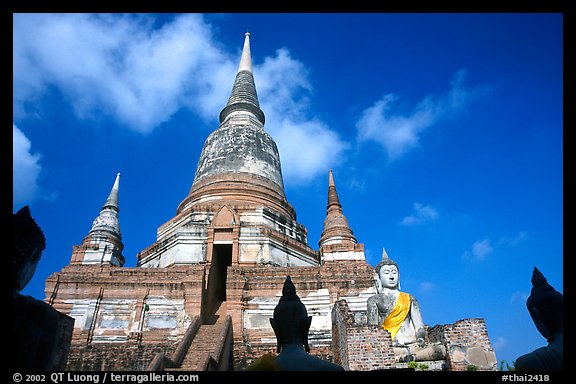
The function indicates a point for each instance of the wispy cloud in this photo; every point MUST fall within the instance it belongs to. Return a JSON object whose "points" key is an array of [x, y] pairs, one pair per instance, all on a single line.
{"points": [[422, 214], [399, 132], [513, 240], [426, 286], [500, 343], [519, 297], [140, 75], [26, 169], [480, 250]]}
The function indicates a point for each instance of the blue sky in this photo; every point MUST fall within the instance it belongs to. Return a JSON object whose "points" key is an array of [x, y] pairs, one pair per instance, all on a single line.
{"points": [[444, 133]]}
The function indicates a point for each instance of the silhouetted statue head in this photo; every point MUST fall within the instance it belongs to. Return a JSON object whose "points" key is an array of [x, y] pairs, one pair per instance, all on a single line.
{"points": [[291, 322], [28, 242], [545, 306]]}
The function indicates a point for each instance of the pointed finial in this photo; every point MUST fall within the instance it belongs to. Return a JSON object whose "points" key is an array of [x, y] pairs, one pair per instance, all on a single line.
{"points": [[288, 288], [112, 200], [243, 97], [330, 179], [384, 254], [385, 261], [539, 283], [538, 278], [333, 199], [289, 295], [246, 59]]}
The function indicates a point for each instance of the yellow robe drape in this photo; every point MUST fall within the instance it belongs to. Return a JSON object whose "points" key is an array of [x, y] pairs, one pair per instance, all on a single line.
{"points": [[266, 362], [395, 319]]}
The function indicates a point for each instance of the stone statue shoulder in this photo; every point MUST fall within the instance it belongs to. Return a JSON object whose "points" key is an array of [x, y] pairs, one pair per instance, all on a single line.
{"points": [[549, 358], [35, 326]]}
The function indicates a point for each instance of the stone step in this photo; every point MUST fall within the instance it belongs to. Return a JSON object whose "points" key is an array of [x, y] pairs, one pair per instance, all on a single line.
{"points": [[205, 341]]}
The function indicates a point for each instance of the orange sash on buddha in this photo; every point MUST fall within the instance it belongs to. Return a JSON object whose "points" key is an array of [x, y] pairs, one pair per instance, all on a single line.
{"points": [[394, 321]]}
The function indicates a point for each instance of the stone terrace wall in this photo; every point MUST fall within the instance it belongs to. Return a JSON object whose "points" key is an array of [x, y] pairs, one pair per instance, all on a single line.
{"points": [[114, 357], [359, 347], [124, 316]]}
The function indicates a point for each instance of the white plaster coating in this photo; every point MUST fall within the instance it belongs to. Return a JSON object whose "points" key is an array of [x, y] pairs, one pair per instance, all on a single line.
{"points": [[318, 304], [116, 318], [166, 313], [348, 255], [82, 311]]}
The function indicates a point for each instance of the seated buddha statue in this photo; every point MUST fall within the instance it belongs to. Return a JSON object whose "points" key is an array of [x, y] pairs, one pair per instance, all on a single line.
{"points": [[399, 313]]}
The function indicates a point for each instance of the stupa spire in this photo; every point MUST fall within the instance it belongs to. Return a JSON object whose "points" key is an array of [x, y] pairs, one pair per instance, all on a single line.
{"points": [[246, 59], [336, 226], [103, 244], [243, 99], [112, 200], [107, 221]]}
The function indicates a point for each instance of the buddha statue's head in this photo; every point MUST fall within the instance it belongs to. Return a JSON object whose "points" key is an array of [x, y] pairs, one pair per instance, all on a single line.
{"points": [[28, 242], [545, 306], [388, 272], [291, 322]]}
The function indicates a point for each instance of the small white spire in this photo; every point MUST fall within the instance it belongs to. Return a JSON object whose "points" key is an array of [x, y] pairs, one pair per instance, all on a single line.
{"points": [[246, 59]]}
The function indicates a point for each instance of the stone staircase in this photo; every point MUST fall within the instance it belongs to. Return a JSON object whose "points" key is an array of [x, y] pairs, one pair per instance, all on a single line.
{"points": [[206, 342], [206, 346]]}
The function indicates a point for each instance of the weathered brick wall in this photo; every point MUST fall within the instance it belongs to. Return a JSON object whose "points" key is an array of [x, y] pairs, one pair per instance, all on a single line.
{"points": [[342, 319], [369, 348], [246, 283], [124, 316], [467, 344], [359, 347], [116, 357]]}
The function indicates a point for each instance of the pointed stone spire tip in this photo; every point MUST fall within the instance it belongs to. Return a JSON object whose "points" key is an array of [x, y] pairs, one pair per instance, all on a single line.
{"points": [[117, 181], [246, 59], [113, 197], [330, 179]]}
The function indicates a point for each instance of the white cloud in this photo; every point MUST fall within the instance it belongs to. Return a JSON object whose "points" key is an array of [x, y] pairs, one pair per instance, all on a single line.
{"points": [[286, 105], [422, 214], [480, 251], [123, 67], [26, 169], [398, 133], [116, 65], [499, 344]]}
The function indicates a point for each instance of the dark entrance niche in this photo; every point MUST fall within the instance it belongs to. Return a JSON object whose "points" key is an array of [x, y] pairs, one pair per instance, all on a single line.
{"points": [[216, 290]]}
